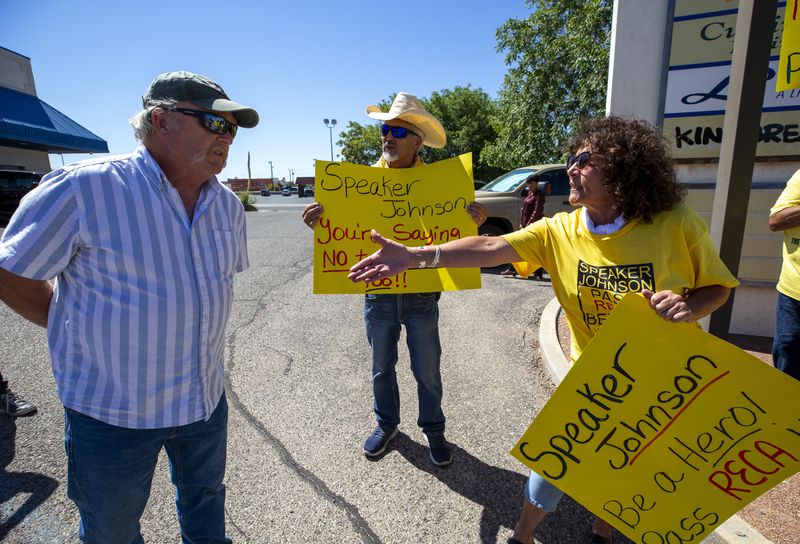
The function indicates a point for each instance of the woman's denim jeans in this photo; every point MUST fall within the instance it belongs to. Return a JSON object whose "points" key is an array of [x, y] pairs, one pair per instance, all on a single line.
{"points": [[110, 469], [541, 493], [786, 344], [419, 312]]}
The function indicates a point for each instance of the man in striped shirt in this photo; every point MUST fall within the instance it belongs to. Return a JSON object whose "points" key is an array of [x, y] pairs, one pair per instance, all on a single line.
{"points": [[143, 249]]}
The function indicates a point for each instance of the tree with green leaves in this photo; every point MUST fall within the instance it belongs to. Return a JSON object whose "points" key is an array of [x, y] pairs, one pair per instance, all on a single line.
{"points": [[361, 144], [466, 115], [464, 112], [558, 70]]}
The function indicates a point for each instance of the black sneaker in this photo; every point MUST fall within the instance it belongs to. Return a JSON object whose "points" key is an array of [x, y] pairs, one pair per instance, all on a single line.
{"points": [[14, 406], [597, 539], [376, 442], [441, 455]]}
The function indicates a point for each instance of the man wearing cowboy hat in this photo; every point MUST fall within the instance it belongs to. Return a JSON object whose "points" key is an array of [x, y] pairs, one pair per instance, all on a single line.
{"points": [[144, 247], [407, 126]]}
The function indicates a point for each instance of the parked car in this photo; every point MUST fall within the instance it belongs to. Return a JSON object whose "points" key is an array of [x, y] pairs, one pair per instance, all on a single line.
{"points": [[265, 192], [286, 192], [14, 184], [503, 196]]}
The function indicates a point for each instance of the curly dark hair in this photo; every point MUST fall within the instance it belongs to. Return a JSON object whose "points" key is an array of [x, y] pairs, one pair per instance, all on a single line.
{"points": [[639, 172]]}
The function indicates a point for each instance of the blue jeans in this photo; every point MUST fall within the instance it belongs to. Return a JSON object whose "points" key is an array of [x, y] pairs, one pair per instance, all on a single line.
{"points": [[786, 344], [541, 493], [110, 469], [419, 312]]}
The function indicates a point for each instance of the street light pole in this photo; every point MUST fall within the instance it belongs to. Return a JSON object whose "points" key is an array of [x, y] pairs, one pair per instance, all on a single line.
{"points": [[271, 178], [330, 123]]}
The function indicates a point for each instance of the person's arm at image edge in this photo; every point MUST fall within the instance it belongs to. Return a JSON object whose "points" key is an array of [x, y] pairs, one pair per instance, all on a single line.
{"points": [[29, 298], [784, 219]]}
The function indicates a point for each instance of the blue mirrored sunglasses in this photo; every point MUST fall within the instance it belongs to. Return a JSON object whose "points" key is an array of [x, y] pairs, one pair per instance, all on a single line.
{"points": [[581, 159], [397, 132], [211, 121]]}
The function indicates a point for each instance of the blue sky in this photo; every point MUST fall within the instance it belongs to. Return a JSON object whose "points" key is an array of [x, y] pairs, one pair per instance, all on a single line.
{"points": [[296, 62]]}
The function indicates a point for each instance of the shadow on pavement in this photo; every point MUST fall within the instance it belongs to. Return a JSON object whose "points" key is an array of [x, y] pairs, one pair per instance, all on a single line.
{"points": [[38, 487], [500, 493]]}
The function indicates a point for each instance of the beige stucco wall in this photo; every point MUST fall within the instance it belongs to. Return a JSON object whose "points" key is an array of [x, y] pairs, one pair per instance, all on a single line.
{"points": [[16, 72], [36, 161]]}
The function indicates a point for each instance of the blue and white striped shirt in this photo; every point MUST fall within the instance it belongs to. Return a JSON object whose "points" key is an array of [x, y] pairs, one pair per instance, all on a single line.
{"points": [[136, 326]]}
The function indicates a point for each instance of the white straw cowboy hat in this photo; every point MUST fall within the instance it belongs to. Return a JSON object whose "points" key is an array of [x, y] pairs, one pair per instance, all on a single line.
{"points": [[407, 108]]}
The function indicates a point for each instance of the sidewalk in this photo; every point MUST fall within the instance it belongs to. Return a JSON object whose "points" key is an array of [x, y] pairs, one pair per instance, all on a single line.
{"points": [[775, 514]]}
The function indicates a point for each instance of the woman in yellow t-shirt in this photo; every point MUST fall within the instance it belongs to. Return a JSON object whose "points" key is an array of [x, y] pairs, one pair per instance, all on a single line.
{"points": [[631, 233]]}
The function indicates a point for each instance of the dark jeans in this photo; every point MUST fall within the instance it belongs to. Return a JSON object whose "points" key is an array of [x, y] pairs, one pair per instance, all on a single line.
{"points": [[786, 344], [110, 469], [419, 312]]}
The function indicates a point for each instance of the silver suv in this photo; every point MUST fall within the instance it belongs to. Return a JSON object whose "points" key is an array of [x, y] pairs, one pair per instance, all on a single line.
{"points": [[503, 196]]}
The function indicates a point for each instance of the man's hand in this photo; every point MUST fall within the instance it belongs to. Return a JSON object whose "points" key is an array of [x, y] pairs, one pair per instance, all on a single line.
{"points": [[478, 212], [670, 306], [391, 259], [311, 214]]}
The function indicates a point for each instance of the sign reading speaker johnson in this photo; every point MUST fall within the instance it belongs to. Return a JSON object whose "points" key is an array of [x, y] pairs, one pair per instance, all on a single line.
{"points": [[663, 430], [425, 205]]}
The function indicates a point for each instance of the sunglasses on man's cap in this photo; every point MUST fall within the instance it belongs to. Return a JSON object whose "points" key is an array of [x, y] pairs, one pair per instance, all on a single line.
{"points": [[397, 132], [211, 121]]}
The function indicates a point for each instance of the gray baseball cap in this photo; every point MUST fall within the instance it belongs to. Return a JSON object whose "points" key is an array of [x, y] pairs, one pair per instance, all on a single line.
{"points": [[200, 90]]}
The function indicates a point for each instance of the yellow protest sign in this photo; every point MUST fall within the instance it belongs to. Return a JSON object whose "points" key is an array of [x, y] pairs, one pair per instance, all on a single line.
{"points": [[419, 206], [789, 63], [663, 430]]}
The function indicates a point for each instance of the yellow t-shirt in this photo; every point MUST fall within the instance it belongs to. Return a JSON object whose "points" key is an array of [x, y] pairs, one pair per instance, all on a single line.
{"points": [[592, 272], [789, 283]]}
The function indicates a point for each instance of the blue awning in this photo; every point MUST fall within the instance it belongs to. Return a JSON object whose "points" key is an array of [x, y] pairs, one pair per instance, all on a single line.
{"points": [[29, 123]]}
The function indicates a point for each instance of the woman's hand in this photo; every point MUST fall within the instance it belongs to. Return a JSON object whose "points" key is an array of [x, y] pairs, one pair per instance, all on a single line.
{"points": [[311, 214], [670, 306], [478, 212], [391, 259], [697, 303]]}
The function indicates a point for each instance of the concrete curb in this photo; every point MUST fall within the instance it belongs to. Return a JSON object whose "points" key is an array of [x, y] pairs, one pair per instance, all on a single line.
{"points": [[736, 530], [733, 531]]}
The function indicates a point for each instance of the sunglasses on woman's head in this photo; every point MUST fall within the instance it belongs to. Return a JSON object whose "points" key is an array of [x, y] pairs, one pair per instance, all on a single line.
{"points": [[397, 132], [211, 121], [581, 159]]}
